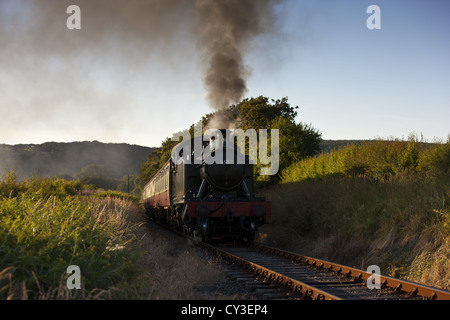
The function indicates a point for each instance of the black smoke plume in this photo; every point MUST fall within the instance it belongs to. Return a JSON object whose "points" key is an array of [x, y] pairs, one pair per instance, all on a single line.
{"points": [[225, 30]]}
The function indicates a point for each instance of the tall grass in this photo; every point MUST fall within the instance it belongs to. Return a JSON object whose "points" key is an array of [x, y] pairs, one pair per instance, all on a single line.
{"points": [[44, 229], [385, 203], [48, 224], [378, 160]]}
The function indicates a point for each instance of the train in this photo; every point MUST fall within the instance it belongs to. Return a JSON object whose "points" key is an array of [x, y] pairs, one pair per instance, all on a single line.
{"points": [[210, 199]]}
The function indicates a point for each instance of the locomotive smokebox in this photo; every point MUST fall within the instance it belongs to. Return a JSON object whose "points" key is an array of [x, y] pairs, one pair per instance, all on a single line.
{"points": [[221, 167]]}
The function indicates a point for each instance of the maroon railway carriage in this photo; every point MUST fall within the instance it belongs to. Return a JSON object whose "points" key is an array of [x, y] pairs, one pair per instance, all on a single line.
{"points": [[210, 200]]}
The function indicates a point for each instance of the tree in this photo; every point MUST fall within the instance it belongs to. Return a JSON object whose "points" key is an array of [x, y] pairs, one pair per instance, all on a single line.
{"points": [[128, 184], [259, 113], [97, 174], [93, 170], [297, 141]]}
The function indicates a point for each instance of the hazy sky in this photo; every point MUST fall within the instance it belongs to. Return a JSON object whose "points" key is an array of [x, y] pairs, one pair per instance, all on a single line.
{"points": [[134, 74]]}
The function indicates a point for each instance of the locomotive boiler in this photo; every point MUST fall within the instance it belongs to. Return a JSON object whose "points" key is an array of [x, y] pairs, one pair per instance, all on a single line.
{"points": [[211, 197]]}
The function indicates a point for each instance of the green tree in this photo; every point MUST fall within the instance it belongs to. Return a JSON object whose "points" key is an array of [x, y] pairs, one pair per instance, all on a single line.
{"points": [[93, 170], [259, 113], [297, 140], [97, 175]]}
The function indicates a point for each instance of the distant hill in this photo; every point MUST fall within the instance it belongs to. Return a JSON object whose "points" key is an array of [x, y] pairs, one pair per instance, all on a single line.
{"points": [[68, 159]]}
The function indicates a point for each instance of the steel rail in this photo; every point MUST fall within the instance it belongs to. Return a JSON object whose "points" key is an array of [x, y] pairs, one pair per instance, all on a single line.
{"points": [[410, 288], [292, 284]]}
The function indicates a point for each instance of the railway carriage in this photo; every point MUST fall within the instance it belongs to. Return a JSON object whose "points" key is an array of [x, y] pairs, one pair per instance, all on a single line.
{"points": [[211, 200]]}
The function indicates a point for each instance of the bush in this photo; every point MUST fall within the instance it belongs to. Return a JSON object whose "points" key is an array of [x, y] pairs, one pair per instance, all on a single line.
{"points": [[117, 195], [9, 186], [437, 157], [47, 187], [44, 229], [377, 160]]}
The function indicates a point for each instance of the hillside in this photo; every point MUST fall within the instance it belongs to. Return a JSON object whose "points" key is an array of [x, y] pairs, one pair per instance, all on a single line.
{"points": [[382, 203], [68, 159]]}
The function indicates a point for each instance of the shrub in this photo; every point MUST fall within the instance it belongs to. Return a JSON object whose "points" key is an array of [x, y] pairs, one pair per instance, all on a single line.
{"points": [[9, 185], [44, 229], [377, 160], [117, 195]]}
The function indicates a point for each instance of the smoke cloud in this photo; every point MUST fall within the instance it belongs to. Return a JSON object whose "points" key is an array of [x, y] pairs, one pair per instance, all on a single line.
{"points": [[57, 84], [50, 75], [225, 30]]}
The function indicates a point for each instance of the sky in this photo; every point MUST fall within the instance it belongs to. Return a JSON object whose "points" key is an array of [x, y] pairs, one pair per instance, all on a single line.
{"points": [[134, 72]]}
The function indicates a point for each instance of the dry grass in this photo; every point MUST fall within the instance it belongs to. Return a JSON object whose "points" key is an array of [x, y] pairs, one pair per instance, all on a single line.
{"points": [[175, 269], [401, 223], [19, 291], [432, 267]]}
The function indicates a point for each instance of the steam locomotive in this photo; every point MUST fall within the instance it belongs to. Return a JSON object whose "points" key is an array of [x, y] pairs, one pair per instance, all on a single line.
{"points": [[212, 199]]}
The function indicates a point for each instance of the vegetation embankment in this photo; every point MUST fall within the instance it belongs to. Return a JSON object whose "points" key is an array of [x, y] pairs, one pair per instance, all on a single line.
{"points": [[47, 225], [385, 203]]}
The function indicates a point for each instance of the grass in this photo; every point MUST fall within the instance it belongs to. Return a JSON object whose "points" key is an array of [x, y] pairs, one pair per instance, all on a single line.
{"points": [[40, 238], [116, 195], [44, 228], [175, 269], [378, 160], [48, 224], [385, 203]]}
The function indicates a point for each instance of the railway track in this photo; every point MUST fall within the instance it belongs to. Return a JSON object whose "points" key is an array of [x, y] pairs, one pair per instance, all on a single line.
{"points": [[280, 274], [285, 275]]}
